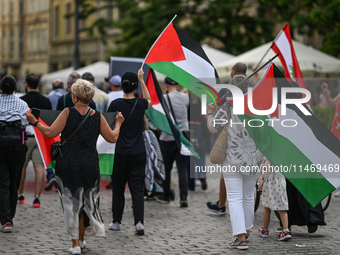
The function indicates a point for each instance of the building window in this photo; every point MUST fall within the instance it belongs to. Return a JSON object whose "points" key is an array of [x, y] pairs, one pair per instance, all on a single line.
{"points": [[68, 20], [11, 8], [30, 43], [3, 7], [44, 40], [44, 4], [109, 14], [56, 21], [3, 44], [22, 7], [38, 41], [31, 6], [22, 42], [11, 42]]}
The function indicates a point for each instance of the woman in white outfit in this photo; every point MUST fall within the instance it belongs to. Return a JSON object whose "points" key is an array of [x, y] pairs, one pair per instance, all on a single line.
{"points": [[241, 152]]}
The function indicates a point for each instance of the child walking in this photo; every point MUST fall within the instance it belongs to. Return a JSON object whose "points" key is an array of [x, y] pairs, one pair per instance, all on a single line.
{"points": [[274, 197]]}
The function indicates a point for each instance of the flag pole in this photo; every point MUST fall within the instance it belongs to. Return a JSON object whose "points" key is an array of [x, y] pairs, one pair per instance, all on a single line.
{"points": [[157, 40], [270, 60], [265, 54]]}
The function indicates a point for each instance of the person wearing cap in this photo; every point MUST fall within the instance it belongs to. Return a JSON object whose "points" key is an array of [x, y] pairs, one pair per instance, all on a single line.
{"points": [[58, 91], [114, 87], [100, 97], [12, 150], [178, 103], [130, 155]]}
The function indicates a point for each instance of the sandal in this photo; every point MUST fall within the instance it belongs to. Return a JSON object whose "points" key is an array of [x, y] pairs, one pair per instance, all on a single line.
{"points": [[241, 245], [247, 236], [285, 235]]}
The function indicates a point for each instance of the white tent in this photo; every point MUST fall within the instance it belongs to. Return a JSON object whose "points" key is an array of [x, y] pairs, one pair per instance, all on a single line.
{"points": [[216, 56], [100, 70], [47, 79], [310, 60]]}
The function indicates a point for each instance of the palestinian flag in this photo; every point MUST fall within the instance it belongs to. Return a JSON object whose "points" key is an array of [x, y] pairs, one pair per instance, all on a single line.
{"points": [[105, 150], [305, 151], [160, 116], [179, 56], [284, 46]]}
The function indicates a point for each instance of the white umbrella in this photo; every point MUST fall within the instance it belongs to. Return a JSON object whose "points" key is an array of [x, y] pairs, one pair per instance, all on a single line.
{"points": [[47, 79]]}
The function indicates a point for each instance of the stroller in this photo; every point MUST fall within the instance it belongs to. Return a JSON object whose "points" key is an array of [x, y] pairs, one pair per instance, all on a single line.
{"points": [[154, 168]]}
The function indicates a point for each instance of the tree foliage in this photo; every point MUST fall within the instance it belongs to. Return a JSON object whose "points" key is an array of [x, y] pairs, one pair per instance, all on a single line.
{"points": [[235, 26], [310, 16]]}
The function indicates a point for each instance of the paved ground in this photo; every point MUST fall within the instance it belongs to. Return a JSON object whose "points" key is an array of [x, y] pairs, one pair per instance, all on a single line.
{"points": [[169, 229]]}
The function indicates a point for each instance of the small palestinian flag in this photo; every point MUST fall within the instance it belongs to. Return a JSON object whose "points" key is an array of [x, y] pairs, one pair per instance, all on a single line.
{"points": [[304, 150], [179, 56], [159, 115]]}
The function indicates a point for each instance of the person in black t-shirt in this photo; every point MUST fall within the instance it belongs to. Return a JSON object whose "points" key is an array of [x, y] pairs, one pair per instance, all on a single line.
{"points": [[130, 158]]}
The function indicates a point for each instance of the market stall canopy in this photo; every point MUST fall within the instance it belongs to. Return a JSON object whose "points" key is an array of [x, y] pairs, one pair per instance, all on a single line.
{"points": [[216, 56], [100, 70], [47, 79], [310, 60]]}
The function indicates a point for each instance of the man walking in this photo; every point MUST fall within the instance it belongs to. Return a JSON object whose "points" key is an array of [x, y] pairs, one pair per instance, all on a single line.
{"points": [[178, 104], [34, 99]]}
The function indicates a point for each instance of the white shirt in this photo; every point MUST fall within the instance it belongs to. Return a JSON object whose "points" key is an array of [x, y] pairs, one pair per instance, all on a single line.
{"points": [[116, 94], [13, 108]]}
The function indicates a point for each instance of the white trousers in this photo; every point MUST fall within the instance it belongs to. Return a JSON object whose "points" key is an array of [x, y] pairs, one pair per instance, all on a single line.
{"points": [[240, 195]]}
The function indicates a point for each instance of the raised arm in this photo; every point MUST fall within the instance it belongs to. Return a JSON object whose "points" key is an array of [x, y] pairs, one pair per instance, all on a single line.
{"points": [[330, 102], [110, 135], [145, 91], [55, 129]]}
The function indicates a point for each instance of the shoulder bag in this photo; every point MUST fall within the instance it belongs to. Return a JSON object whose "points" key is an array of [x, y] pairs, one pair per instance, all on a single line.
{"points": [[218, 152]]}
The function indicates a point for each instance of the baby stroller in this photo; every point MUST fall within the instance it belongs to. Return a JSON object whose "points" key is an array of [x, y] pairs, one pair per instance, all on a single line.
{"points": [[154, 168]]}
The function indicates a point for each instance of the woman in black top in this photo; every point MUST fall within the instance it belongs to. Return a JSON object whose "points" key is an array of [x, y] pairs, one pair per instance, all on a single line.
{"points": [[130, 159], [77, 165]]}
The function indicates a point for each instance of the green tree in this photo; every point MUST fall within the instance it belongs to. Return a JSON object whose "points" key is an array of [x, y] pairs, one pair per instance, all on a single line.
{"points": [[238, 25], [310, 16], [141, 23]]}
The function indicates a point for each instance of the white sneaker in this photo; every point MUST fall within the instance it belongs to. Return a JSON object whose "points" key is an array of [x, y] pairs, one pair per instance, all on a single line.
{"points": [[337, 194], [82, 244], [139, 228], [114, 226], [75, 250]]}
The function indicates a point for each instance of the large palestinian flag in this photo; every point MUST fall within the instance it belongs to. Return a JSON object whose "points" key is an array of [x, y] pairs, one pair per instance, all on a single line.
{"points": [[105, 150], [305, 151], [159, 115], [283, 45], [179, 56]]}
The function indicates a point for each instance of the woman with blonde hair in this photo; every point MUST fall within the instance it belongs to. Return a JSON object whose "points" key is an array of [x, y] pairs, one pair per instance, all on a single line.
{"points": [[77, 166]]}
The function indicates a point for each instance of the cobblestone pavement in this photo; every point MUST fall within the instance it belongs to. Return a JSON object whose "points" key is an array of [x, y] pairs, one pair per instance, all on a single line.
{"points": [[169, 229]]}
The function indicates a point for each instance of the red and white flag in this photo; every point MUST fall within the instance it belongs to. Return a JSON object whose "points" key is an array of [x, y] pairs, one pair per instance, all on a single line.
{"points": [[283, 45]]}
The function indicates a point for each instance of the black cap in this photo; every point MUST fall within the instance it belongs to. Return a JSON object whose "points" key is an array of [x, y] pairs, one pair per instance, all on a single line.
{"points": [[170, 81], [131, 77]]}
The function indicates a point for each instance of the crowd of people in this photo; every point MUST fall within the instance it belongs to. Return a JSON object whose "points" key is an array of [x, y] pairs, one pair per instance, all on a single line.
{"points": [[77, 176]]}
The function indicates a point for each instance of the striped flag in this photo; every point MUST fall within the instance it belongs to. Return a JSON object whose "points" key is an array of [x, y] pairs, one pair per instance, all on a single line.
{"points": [[105, 150], [306, 153], [179, 56], [283, 45], [159, 115]]}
